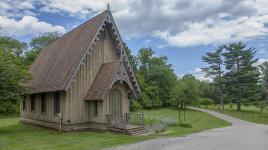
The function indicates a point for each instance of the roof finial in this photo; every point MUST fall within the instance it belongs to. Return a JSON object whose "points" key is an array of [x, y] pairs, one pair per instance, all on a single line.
{"points": [[108, 6]]}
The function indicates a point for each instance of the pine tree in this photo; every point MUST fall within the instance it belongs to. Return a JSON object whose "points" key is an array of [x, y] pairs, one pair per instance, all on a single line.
{"points": [[215, 69], [242, 76]]}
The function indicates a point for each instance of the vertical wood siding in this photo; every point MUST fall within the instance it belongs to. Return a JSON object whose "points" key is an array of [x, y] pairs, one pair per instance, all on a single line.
{"points": [[77, 110], [74, 108], [49, 115]]}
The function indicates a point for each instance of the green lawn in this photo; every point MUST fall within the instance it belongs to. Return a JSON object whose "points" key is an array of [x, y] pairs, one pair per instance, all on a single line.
{"points": [[14, 135], [199, 121], [249, 113]]}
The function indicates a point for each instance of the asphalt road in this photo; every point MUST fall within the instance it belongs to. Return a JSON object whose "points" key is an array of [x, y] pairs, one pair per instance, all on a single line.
{"points": [[242, 135]]}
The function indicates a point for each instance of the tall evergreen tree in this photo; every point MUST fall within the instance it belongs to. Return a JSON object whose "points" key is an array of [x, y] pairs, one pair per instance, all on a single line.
{"points": [[215, 70], [242, 76]]}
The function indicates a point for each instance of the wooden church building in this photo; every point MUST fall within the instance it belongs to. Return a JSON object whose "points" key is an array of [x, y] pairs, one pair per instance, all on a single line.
{"points": [[82, 80]]}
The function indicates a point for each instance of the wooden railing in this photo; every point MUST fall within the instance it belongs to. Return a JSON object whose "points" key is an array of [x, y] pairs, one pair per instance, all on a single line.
{"points": [[135, 119], [121, 121]]}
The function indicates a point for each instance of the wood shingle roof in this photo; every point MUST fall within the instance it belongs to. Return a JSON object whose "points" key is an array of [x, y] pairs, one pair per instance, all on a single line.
{"points": [[102, 81], [53, 68]]}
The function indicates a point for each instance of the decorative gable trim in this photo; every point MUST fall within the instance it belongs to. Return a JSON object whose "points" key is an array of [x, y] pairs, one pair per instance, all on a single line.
{"points": [[119, 45], [122, 75]]}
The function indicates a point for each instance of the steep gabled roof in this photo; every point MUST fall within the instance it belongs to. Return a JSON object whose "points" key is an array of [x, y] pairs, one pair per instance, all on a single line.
{"points": [[58, 63], [108, 74], [102, 81], [53, 68]]}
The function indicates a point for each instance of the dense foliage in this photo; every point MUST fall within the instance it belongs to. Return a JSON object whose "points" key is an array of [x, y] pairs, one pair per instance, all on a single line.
{"points": [[13, 73], [239, 80], [156, 78], [15, 59]]}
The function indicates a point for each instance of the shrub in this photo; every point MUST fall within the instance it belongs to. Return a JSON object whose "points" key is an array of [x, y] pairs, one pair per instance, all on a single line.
{"points": [[231, 105], [135, 105], [196, 104], [149, 121], [185, 125], [205, 101]]}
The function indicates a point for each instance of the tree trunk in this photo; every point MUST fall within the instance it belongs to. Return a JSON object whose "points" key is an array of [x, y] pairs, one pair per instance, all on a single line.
{"points": [[221, 99], [238, 105]]}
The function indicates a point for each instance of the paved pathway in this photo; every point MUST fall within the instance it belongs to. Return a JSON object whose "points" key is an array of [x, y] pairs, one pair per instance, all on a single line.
{"points": [[242, 135]]}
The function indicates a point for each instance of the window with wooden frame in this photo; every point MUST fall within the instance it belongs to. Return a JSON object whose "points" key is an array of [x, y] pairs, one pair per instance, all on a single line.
{"points": [[95, 108], [43, 103], [33, 102], [56, 103]]}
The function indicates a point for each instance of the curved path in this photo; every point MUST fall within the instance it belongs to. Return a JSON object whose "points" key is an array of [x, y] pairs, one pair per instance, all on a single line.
{"points": [[242, 135]]}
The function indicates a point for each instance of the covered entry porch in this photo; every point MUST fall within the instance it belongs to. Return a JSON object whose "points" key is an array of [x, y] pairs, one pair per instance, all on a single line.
{"points": [[119, 118]]}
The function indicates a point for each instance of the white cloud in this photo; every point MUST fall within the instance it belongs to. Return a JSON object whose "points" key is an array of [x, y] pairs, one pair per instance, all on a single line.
{"points": [[262, 51], [200, 75], [27, 25], [179, 23], [17, 8], [217, 31], [260, 61]]}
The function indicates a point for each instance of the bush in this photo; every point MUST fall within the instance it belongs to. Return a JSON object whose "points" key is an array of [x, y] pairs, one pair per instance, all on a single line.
{"points": [[8, 107], [149, 121], [185, 125], [196, 104], [135, 105], [205, 101], [231, 105]]}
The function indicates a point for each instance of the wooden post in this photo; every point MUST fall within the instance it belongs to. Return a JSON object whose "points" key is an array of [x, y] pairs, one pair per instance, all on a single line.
{"points": [[142, 119], [60, 115], [125, 121]]}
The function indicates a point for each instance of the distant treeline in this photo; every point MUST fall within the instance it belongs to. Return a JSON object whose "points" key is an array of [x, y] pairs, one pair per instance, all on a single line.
{"points": [[232, 68]]}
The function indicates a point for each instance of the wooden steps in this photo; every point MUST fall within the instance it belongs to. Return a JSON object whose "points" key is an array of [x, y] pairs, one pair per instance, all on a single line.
{"points": [[130, 130]]}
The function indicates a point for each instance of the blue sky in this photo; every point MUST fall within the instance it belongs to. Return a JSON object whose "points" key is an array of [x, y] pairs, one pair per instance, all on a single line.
{"points": [[183, 30]]}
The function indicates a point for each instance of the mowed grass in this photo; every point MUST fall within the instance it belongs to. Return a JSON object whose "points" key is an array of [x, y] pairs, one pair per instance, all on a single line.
{"points": [[200, 121], [18, 136], [248, 113]]}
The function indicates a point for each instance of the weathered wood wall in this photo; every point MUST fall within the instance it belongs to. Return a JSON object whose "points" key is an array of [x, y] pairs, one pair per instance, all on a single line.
{"points": [[74, 108], [77, 110], [49, 115]]}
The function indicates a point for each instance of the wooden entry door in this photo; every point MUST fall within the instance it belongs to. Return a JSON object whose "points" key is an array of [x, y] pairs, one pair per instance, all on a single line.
{"points": [[115, 102]]}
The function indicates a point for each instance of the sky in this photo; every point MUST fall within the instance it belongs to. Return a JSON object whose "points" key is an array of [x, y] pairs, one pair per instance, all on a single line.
{"points": [[183, 30]]}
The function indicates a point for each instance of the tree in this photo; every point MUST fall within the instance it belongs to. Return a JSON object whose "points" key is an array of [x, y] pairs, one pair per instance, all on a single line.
{"points": [[14, 46], [215, 70], [205, 101], [242, 76], [156, 79], [37, 44], [133, 59], [264, 73], [13, 76], [42, 40], [209, 90], [187, 90]]}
